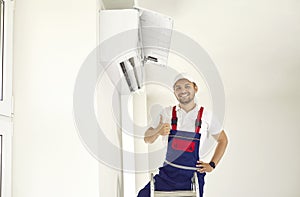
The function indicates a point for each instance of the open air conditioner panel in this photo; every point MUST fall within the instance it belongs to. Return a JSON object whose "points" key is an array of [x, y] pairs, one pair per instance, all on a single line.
{"points": [[156, 33]]}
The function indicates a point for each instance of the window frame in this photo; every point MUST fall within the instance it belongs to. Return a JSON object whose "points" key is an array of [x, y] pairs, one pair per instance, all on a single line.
{"points": [[6, 108], [6, 128], [1, 48], [6, 103]]}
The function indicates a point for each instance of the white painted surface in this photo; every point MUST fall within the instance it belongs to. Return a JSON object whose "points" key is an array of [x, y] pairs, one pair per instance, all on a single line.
{"points": [[255, 46], [117, 4], [51, 41]]}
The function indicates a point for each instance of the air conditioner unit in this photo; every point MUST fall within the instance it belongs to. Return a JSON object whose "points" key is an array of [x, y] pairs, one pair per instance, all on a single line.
{"points": [[130, 39]]}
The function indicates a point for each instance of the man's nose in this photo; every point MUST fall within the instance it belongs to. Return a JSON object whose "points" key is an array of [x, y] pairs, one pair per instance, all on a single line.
{"points": [[183, 90]]}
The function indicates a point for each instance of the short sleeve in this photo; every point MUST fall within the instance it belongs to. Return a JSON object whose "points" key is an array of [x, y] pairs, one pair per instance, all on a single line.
{"points": [[214, 125]]}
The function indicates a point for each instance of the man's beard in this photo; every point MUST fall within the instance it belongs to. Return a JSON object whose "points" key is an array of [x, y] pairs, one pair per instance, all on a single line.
{"points": [[186, 100]]}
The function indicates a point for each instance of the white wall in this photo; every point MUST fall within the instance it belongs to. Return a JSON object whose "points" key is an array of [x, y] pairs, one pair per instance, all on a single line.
{"points": [[255, 45], [140, 120], [110, 178], [51, 41]]}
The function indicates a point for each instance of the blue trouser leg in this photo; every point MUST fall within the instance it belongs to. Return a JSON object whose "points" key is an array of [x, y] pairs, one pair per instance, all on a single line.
{"points": [[201, 182], [145, 192]]}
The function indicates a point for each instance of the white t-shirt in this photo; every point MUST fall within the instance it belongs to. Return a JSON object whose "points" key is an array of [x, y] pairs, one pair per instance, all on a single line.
{"points": [[186, 122]]}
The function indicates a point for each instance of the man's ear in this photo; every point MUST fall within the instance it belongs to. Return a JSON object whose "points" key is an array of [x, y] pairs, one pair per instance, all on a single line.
{"points": [[196, 87]]}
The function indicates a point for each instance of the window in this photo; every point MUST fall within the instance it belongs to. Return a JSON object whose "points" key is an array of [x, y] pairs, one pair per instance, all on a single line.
{"points": [[1, 49], [6, 128], [1, 136], [5, 157], [6, 35]]}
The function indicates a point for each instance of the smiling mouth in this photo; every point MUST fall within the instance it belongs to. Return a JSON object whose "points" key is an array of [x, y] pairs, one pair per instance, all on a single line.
{"points": [[184, 95]]}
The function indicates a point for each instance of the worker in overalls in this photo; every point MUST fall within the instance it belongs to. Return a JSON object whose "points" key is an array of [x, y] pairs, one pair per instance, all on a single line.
{"points": [[186, 126]]}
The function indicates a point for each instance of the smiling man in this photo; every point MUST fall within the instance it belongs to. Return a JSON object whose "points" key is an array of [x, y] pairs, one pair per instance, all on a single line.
{"points": [[187, 126]]}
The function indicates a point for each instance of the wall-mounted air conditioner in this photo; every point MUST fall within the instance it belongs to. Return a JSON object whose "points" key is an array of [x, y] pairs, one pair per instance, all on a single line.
{"points": [[129, 39]]}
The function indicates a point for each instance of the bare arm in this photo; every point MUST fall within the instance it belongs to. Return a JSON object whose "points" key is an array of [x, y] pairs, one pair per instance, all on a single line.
{"points": [[221, 147], [152, 134], [219, 152]]}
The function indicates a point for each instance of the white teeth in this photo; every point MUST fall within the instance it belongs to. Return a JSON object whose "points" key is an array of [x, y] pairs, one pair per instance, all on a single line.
{"points": [[184, 95]]}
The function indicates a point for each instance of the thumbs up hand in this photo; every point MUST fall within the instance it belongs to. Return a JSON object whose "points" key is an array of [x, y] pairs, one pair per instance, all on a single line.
{"points": [[163, 128]]}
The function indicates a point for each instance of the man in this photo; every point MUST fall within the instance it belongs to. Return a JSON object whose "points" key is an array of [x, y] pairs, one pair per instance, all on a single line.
{"points": [[190, 125]]}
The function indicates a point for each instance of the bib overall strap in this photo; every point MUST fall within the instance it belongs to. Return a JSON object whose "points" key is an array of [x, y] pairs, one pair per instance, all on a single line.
{"points": [[174, 119], [198, 120], [197, 123]]}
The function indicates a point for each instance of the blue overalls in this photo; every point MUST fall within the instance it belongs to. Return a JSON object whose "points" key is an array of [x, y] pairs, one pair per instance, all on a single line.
{"points": [[181, 159]]}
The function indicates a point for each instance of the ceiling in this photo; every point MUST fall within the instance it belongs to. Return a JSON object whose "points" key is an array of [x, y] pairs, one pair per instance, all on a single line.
{"points": [[117, 4]]}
